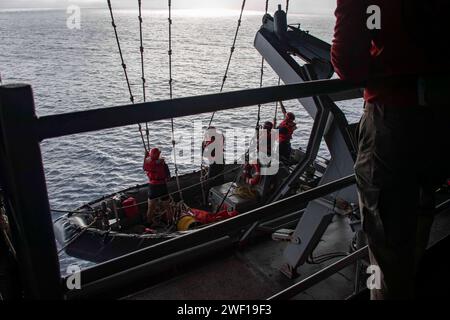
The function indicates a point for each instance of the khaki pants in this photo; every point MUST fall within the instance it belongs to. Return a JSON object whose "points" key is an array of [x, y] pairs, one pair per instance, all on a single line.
{"points": [[403, 157]]}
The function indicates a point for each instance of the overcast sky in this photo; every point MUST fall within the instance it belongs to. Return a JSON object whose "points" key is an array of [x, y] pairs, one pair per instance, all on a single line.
{"points": [[310, 6]]}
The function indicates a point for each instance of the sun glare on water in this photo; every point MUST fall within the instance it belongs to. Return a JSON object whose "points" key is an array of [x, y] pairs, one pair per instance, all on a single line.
{"points": [[212, 12]]}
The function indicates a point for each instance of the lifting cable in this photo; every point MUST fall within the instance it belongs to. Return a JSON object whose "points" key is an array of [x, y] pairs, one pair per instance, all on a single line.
{"points": [[170, 52], [233, 47], [124, 66], [259, 106], [224, 79], [147, 133], [279, 80]]}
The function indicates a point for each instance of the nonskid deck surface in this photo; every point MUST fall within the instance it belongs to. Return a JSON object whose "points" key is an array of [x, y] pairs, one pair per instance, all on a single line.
{"points": [[252, 272]]}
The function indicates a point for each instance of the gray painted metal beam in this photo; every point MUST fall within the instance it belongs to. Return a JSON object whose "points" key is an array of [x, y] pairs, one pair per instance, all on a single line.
{"points": [[278, 54], [321, 275], [108, 270], [92, 120], [26, 194], [332, 269]]}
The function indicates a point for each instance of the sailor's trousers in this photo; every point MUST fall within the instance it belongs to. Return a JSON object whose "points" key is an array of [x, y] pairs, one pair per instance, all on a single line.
{"points": [[403, 157]]}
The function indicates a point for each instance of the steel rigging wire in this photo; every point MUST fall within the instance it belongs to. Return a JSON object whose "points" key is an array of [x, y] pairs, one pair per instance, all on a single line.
{"points": [[259, 106], [233, 47], [124, 67], [170, 52], [224, 79], [142, 67]]}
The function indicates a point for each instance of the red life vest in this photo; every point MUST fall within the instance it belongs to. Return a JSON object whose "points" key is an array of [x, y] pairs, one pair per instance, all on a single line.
{"points": [[287, 130], [206, 217], [130, 207], [252, 174], [156, 171]]}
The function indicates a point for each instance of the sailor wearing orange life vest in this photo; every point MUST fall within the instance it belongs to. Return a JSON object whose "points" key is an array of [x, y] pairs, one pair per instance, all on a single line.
{"points": [[158, 174], [286, 130]]}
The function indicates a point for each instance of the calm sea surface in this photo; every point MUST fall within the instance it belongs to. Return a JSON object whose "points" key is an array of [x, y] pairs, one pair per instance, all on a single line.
{"points": [[72, 70]]}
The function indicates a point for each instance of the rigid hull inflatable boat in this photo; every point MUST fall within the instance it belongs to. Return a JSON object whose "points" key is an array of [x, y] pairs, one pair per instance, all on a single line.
{"points": [[114, 225]]}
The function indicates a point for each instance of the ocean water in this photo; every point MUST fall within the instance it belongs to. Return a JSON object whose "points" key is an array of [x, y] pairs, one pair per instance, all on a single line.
{"points": [[72, 70]]}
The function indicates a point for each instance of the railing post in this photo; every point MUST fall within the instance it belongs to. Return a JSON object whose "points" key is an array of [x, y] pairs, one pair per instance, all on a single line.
{"points": [[27, 194]]}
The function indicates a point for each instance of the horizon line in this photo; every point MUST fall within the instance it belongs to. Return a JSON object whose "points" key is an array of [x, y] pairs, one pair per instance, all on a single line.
{"points": [[252, 12]]}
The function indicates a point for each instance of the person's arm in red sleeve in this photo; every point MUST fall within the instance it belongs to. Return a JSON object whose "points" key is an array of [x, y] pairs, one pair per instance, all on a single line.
{"points": [[283, 109], [350, 52], [146, 165]]}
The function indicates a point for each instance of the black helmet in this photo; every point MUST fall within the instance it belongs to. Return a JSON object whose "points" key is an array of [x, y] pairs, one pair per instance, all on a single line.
{"points": [[268, 125], [290, 116]]}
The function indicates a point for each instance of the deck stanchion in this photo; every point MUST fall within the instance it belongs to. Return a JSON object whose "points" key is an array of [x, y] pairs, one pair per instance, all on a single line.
{"points": [[27, 195]]}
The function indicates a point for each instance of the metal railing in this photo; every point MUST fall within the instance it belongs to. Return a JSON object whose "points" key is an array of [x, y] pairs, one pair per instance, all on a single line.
{"points": [[116, 272], [321, 275], [335, 267], [25, 184]]}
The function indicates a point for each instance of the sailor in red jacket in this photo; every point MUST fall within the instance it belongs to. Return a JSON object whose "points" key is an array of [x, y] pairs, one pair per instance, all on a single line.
{"points": [[158, 174], [403, 138], [286, 130]]}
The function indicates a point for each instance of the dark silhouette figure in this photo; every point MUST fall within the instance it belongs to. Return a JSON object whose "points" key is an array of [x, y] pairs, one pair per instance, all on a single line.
{"points": [[403, 140]]}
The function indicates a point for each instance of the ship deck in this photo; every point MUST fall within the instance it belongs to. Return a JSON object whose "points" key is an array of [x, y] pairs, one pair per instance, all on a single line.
{"points": [[252, 272]]}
